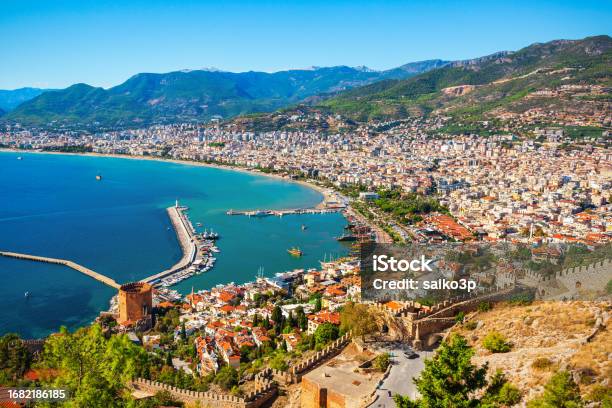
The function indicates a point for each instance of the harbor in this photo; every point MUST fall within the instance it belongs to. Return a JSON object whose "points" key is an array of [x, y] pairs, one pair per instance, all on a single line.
{"points": [[198, 250]]}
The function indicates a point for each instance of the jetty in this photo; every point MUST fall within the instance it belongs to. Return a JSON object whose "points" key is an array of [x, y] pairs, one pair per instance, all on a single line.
{"points": [[280, 213], [80, 268], [185, 234]]}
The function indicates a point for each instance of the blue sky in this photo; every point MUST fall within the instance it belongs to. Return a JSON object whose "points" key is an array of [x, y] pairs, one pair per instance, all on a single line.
{"points": [[58, 43]]}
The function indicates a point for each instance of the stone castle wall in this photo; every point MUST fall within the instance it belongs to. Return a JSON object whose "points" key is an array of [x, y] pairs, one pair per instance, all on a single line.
{"points": [[332, 349], [255, 399]]}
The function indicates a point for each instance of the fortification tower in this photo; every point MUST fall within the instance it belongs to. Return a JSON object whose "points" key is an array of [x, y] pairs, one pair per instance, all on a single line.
{"points": [[135, 302]]}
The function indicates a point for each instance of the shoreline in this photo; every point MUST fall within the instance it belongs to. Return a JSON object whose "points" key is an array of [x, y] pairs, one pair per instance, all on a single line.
{"points": [[326, 195]]}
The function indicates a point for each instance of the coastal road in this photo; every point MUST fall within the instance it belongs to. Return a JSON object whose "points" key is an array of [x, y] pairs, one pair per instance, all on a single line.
{"points": [[399, 380]]}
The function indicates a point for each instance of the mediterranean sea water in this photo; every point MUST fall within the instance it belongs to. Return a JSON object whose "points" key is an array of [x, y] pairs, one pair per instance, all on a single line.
{"points": [[52, 205]]}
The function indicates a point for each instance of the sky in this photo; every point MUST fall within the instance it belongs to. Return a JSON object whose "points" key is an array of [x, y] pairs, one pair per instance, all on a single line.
{"points": [[53, 44]]}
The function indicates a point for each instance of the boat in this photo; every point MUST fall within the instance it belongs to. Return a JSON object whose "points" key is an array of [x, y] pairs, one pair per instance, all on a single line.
{"points": [[304, 227], [198, 224], [258, 213], [210, 235], [98, 177], [346, 237], [26, 295], [19, 158], [295, 251]]}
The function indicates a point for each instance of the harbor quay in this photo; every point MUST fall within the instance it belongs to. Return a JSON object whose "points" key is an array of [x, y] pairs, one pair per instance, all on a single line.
{"points": [[280, 213], [185, 234]]}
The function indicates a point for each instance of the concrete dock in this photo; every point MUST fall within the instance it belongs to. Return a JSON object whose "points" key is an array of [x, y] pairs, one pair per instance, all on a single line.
{"points": [[185, 235], [280, 213], [80, 268]]}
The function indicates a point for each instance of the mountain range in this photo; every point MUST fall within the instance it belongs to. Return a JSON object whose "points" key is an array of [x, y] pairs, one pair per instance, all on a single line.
{"points": [[9, 100], [469, 88], [472, 87], [196, 95]]}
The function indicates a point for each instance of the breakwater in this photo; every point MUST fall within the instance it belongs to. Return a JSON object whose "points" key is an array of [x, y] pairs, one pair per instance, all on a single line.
{"points": [[80, 268], [185, 234]]}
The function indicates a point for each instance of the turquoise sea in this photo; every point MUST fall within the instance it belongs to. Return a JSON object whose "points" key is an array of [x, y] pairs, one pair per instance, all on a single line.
{"points": [[52, 205]]}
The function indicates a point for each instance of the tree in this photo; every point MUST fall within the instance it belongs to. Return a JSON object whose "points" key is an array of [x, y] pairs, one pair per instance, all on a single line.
{"points": [[449, 379], [94, 370], [358, 319], [277, 315], [278, 362], [14, 359], [318, 305], [560, 392], [291, 322], [227, 377], [302, 320], [325, 333], [183, 332]]}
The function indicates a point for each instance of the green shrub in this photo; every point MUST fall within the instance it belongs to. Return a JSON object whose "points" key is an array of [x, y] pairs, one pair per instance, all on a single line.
{"points": [[382, 361], [541, 363], [460, 317], [521, 299], [495, 342], [227, 377], [601, 393], [509, 395], [471, 325], [484, 306], [560, 392]]}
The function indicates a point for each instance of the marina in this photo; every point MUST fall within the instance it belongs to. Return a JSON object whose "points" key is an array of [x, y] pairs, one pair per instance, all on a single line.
{"points": [[197, 250]]}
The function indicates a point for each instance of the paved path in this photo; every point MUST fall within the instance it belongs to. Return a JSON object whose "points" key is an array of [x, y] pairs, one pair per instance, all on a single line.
{"points": [[399, 380]]}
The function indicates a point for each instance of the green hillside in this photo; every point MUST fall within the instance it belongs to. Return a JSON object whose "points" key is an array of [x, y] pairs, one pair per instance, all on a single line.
{"points": [[185, 96], [9, 100], [495, 81]]}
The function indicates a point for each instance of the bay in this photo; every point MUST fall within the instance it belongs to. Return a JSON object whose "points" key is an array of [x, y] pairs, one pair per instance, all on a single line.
{"points": [[52, 205]]}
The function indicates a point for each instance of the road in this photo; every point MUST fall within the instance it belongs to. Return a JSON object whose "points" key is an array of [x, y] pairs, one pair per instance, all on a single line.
{"points": [[399, 380]]}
